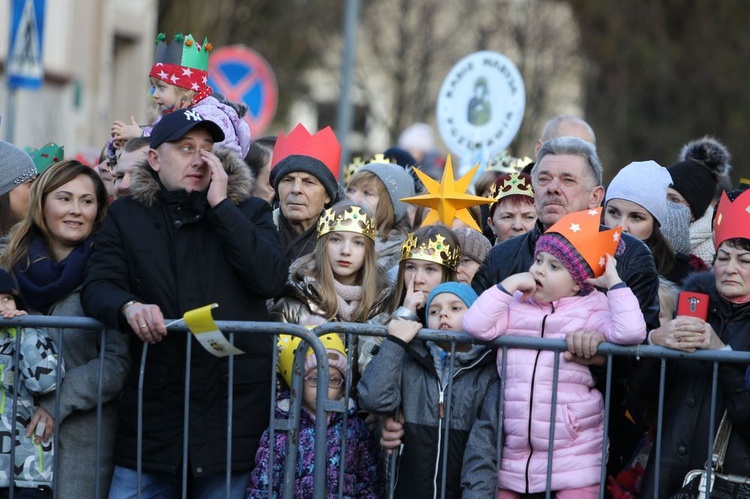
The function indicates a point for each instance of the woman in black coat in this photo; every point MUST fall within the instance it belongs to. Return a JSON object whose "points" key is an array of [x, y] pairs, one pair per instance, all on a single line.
{"points": [[689, 382]]}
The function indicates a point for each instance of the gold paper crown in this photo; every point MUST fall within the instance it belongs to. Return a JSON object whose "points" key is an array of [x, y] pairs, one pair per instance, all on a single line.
{"points": [[354, 219], [379, 159], [288, 344], [507, 163], [515, 184], [435, 250], [352, 168]]}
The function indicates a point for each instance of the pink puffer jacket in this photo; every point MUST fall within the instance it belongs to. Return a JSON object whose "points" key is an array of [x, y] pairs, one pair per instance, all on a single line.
{"points": [[579, 417]]}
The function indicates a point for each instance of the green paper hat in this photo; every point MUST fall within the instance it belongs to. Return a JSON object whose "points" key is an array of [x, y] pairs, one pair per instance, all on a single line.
{"points": [[46, 156], [183, 51]]}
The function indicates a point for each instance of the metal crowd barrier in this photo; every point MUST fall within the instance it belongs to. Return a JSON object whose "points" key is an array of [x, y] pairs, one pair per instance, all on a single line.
{"points": [[351, 331]]}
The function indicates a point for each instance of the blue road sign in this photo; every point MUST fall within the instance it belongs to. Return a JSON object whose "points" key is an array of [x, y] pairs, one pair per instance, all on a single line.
{"points": [[25, 66]]}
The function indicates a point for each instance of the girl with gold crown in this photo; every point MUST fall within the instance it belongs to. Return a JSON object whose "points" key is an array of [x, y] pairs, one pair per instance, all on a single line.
{"points": [[340, 280], [429, 257], [179, 80]]}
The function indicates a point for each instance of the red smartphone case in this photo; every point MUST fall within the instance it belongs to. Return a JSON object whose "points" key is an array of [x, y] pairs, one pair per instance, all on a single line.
{"points": [[692, 304]]}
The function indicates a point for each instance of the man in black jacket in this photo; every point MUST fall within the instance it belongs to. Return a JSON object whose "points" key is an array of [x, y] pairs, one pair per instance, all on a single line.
{"points": [[189, 235]]}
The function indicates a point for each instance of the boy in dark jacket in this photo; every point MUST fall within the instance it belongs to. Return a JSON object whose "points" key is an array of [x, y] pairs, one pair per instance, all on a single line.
{"points": [[412, 376]]}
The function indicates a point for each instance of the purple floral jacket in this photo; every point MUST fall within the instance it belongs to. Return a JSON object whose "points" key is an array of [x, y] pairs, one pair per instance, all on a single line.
{"points": [[361, 479]]}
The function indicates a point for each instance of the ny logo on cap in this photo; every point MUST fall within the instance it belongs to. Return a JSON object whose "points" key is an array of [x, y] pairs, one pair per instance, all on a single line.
{"points": [[193, 115]]}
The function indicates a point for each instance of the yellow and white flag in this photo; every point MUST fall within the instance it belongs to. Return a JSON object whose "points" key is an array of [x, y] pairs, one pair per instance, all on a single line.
{"points": [[201, 324]]}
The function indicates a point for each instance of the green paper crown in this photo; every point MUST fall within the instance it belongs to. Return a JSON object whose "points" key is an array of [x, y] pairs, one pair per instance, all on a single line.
{"points": [[46, 156], [183, 51]]}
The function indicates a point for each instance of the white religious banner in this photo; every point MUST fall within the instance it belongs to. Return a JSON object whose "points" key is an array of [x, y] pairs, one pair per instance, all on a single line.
{"points": [[480, 107]]}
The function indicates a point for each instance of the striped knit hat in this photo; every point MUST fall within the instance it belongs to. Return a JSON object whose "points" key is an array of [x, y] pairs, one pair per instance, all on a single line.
{"points": [[559, 247]]}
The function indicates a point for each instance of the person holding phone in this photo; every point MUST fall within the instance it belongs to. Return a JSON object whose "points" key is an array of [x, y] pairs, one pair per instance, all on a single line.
{"points": [[724, 325]]}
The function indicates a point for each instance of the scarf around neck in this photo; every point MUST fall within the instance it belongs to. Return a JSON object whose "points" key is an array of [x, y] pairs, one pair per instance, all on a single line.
{"points": [[46, 281], [348, 298]]}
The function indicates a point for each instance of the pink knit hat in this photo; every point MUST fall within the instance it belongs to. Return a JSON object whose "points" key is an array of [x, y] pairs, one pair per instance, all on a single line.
{"points": [[335, 359]]}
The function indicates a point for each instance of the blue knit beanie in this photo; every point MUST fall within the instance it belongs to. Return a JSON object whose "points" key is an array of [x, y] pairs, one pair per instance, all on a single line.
{"points": [[463, 291]]}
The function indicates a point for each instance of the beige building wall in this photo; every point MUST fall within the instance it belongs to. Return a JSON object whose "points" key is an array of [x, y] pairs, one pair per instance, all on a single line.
{"points": [[97, 54]]}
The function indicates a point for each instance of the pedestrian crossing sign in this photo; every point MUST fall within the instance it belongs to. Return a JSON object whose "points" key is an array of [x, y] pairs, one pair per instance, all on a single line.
{"points": [[24, 64]]}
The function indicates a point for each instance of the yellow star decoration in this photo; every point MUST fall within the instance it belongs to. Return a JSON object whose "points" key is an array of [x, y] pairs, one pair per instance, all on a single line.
{"points": [[447, 200]]}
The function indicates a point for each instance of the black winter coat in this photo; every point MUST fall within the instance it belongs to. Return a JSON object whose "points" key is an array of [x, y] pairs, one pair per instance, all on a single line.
{"points": [[688, 400], [172, 249]]}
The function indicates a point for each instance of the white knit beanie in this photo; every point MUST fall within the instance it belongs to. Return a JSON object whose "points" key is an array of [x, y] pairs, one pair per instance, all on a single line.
{"points": [[644, 183], [16, 167]]}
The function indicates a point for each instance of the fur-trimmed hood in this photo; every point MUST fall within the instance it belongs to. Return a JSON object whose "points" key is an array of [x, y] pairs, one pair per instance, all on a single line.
{"points": [[145, 186]]}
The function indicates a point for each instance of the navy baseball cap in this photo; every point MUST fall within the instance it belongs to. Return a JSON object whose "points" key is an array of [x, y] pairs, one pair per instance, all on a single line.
{"points": [[175, 125]]}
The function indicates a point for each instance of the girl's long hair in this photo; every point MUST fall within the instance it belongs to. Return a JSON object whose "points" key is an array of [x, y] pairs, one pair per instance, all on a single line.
{"points": [[54, 177], [369, 276], [423, 235]]}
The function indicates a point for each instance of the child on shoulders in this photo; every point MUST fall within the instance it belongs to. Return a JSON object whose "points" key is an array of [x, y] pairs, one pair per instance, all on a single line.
{"points": [[179, 79]]}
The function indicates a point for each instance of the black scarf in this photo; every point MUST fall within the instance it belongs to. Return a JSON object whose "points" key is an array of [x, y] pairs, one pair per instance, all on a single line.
{"points": [[46, 281]]}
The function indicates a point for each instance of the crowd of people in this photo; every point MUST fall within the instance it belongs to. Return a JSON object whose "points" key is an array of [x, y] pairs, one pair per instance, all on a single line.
{"points": [[189, 211]]}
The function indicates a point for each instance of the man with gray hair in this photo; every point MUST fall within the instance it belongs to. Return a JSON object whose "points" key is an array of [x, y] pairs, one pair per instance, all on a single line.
{"points": [[568, 177]]}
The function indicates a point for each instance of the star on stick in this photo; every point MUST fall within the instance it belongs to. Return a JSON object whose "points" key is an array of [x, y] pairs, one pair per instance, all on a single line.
{"points": [[447, 200]]}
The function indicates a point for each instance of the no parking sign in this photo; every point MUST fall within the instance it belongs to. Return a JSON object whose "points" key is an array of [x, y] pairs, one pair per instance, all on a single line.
{"points": [[242, 75]]}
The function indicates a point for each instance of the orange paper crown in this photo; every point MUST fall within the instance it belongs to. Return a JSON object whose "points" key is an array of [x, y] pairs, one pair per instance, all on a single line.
{"points": [[322, 146], [732, 218], [581, 229]]}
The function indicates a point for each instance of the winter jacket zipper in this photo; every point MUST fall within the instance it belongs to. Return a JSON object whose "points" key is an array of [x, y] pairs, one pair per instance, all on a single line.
{"points": [[531, 402], [441, 416]]}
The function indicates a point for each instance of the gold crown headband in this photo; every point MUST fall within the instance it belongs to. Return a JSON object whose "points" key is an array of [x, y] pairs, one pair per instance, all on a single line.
{"points": [[508, 164], [354, 219], [510, 186], [352, 168], [435, 250]]}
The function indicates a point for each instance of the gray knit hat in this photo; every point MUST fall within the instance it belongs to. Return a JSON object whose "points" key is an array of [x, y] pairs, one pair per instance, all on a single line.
{"points": [[398, 183], [644, 183], [16, 167], [473, 244], [306, 164], [676, 227]]}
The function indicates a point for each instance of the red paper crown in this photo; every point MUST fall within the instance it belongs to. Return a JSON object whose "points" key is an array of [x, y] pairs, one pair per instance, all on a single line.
{"points": [[322, 146], [581, 229], [732, 218]]}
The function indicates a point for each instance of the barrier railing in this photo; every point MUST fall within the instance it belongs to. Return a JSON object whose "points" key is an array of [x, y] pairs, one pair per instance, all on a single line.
{"points": [[352, 332]]}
